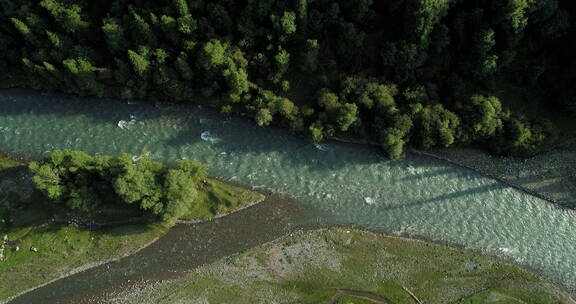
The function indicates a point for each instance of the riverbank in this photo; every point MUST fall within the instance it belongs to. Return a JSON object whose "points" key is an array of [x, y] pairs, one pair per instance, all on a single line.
{"points": [[315, 266], [37, 253], [550, 176], [345, 184]]}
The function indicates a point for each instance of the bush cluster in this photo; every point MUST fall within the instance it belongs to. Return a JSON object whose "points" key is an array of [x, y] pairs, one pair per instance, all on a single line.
{"points": [[84, 183]]}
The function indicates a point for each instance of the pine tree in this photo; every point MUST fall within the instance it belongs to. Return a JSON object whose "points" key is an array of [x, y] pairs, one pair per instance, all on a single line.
{"points": [[69, 18], [139, 62]]}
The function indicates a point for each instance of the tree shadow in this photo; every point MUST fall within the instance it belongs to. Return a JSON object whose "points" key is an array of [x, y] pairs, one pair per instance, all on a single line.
{"points": [[463, 195], [241, 135], [236, 133], [16, 102]]}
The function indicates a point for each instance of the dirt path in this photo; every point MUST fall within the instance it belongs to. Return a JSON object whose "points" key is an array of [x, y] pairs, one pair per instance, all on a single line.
{"points": [[358, 294]]}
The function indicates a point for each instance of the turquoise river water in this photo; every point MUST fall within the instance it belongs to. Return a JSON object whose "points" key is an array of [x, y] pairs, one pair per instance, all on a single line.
{"points": [[339, 183]]}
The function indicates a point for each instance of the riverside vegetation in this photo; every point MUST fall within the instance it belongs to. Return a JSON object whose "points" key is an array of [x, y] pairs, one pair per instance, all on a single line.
{"points": [[314, 267], [401, 72], [45, 237]]}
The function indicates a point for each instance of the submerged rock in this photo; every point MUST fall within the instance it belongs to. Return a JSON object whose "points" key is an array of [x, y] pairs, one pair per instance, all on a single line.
{"points": [[125, 125], [322, 147], [370, 201], [207, 136]]}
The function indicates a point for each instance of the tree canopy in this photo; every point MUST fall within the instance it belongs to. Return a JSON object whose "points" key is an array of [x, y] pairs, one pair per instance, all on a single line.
{"points": [[324, 67], [84, 183]]}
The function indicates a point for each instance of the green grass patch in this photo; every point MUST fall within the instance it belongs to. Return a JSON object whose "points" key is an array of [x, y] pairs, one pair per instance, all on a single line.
{"points": [[353, 300], [61, 250], [313, 267], [7, 163], [490, 296], [216, 198]]}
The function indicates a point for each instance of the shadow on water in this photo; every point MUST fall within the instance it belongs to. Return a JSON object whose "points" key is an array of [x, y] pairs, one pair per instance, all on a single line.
{"points": [[426, 175], [235, 133], [15, 102], [464, 195], [182, 249]]}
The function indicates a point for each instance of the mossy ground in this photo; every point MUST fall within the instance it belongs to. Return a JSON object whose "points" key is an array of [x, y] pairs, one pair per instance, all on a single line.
{"points": [[353, 300], [7, 163], [315, 266], [216, 197], [63, 249]]}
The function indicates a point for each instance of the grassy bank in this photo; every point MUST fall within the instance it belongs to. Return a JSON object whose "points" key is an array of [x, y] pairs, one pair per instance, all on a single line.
{"points": [[314, 267], [216, 198], [37, 252], [7, 163], [61, 250]]}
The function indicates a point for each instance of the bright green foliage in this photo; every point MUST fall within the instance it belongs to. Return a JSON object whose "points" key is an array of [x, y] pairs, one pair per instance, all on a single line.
{"points": [[54, 39], [78, 66], [21, 27], [236, 78], [69, 18], [520, 133], [139, 62], [282, 61], [84, 183], [195, 170], [136, 182], [83, 74], [435, 126], [285, 107], [328, 100], [516, 13], [347, 115], [187, 25], [212, 55], [427, 13], [70, 178], [341, 115], [286, 24], [179, 194], [160, 55], [486, 115], [316, 133], [263, 117], [181, 7], [393, 144], [378, 94], [488, 62]]}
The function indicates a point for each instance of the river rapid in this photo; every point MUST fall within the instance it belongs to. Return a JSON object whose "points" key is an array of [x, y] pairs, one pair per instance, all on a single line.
{"points": [[335, 183]]}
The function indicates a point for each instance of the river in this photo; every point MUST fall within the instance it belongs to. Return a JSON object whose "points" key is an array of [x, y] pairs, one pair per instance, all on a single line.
{"points": [[337, 184]]}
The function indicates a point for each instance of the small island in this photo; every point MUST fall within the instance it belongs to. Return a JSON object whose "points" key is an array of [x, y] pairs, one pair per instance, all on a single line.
{"points": [[70, 222]]}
